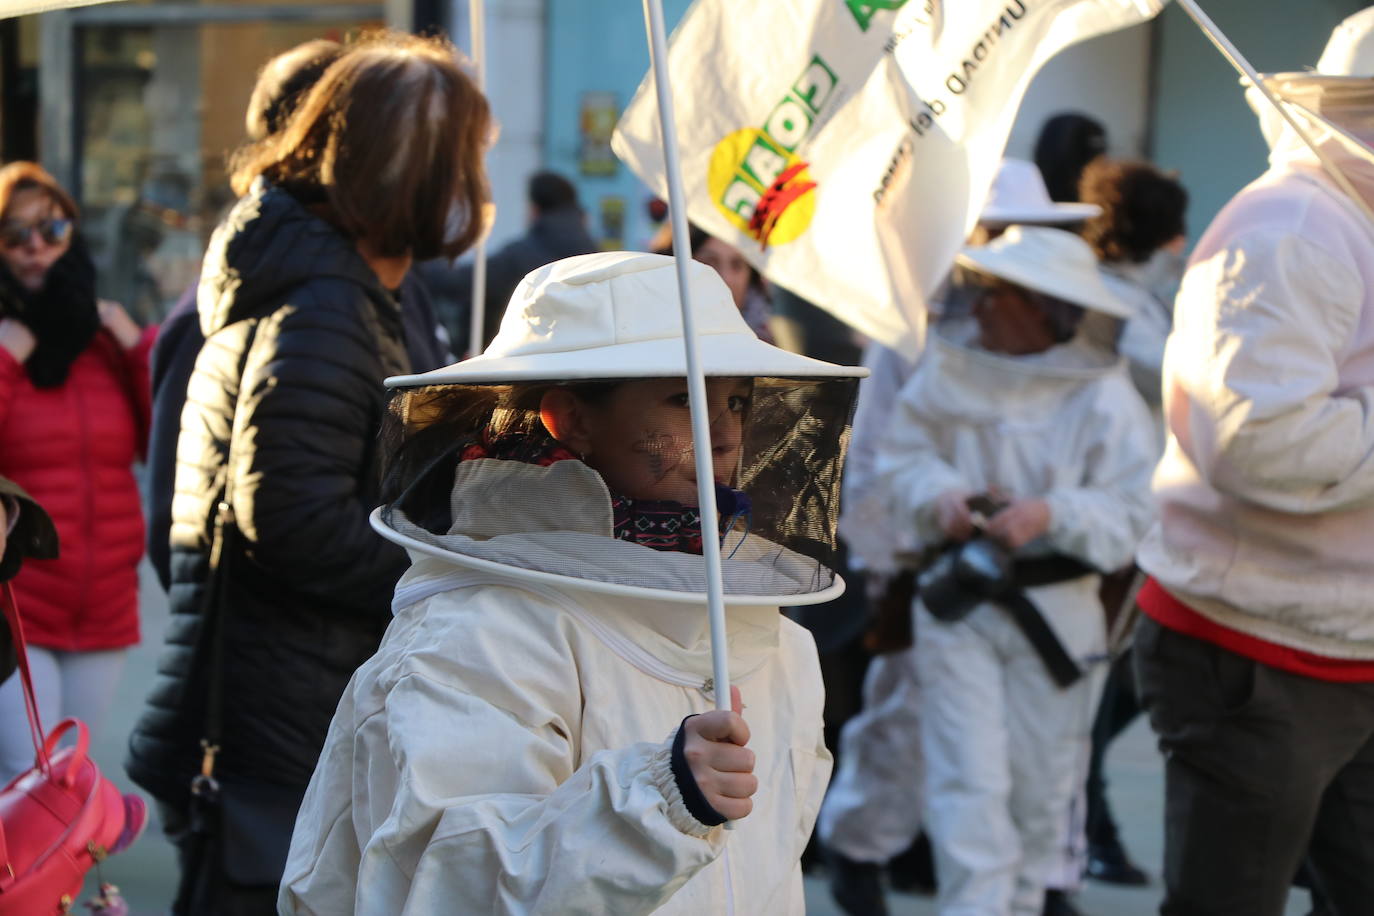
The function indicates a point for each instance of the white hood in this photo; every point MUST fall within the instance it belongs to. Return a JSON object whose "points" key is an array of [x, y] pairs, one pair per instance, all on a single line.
{"points": [[1065, 426], [972, 382]]}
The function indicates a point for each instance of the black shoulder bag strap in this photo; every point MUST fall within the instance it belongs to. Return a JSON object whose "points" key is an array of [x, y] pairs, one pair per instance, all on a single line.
{"points": [[214, 605]]}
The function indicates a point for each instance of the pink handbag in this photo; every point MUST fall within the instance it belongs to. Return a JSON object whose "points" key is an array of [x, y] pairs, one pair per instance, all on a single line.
{"points": [[59, 818]]}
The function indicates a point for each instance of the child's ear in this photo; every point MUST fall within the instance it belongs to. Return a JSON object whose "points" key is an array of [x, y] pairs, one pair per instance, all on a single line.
{"points": [[565, 417]]}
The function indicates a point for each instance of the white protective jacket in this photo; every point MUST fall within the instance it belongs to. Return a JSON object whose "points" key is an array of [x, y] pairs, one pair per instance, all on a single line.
{"points": [[865, 524], [507, 749], [1066, 426], [1266, 488], [1143, 336]]}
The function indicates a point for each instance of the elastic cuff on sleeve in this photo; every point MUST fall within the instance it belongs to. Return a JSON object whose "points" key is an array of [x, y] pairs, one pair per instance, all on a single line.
{"points": [[661, 775], [692, 795], [1059, 533]]}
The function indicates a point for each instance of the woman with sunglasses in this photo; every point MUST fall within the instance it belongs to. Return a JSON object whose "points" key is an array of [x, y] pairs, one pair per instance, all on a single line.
{"points": [[73, 419]]}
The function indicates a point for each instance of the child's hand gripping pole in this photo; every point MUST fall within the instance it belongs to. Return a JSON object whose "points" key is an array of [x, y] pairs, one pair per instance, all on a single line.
{"points": [[720, 763]]}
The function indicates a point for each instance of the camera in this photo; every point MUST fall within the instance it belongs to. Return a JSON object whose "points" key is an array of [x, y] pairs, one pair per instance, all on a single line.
{"points": [[965, 575]]}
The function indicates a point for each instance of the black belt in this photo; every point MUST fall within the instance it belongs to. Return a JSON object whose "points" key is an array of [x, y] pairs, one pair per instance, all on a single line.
{"points": [[1032, 623], [1028, 573]]}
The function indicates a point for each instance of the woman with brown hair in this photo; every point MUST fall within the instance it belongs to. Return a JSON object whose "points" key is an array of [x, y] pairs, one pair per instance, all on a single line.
{"points": [[73, 419], [381, 164]]}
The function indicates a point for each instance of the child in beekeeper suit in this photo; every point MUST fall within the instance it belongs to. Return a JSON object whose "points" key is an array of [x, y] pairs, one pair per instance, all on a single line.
{"points": [[1020, 454], [536, 733]]}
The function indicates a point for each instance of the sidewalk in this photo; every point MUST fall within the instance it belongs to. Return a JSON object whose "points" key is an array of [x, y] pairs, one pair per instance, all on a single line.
{"points": [[1135, 776], [146, 874]]}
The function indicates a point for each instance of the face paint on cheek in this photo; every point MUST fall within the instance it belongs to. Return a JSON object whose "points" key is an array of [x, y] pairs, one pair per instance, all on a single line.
{"points": [[662, 453]]}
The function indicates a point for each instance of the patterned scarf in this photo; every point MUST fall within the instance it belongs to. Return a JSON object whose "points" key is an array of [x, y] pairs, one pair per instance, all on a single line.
{"points": [[659, 524]]}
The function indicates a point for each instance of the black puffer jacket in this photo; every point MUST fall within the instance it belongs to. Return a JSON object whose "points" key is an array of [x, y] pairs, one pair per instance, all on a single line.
{"points": [[299, 335]]}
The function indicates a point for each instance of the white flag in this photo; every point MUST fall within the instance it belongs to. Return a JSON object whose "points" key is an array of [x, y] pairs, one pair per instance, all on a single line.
{"points": [[846, 146], [10, 8]]}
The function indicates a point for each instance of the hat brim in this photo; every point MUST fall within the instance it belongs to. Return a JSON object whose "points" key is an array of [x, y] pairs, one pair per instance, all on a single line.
{"points": [[721, 355], [1055, 215], [1308, 78], [834, 590], [1086, 291]]}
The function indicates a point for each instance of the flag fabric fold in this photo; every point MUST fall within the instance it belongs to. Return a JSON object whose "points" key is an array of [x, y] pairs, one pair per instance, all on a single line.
{"points": [[10, 8], [846, 146]]}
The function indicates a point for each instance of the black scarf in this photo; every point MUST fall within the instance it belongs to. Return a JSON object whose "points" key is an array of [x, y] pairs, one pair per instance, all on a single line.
{"points": [[62, 315]]}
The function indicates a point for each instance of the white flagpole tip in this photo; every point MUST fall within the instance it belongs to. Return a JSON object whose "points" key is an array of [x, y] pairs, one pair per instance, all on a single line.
{"points": [[477, 315], [696, 381]]}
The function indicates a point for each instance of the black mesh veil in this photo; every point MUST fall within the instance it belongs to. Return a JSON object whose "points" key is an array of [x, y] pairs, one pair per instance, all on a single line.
{"points": [[777, 530]]}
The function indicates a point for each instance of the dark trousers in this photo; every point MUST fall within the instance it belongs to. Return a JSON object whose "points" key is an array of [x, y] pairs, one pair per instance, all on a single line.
{"points": [[205, 889], [1262, 767], [1118, 708]]}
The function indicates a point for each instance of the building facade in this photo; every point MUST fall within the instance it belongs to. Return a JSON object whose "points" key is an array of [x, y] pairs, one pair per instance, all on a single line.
{"points": [[136, 105]]}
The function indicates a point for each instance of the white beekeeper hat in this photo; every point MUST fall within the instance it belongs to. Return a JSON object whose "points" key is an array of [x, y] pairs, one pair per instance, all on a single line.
{"points": [[1343, 77], [616, 315], [1338, 93], [1049, 261], [1018, 195], [1347, 61]]}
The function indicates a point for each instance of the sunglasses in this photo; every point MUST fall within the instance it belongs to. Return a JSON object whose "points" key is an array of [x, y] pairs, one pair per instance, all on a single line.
{"points": [[51, 231]]}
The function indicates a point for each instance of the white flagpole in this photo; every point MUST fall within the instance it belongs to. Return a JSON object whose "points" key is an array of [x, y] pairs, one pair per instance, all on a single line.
{"points": [[478, 312], [1243, 66], [696, 382]]}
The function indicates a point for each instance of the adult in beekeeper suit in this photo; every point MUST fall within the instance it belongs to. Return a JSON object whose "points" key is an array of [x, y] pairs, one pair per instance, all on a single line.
{"points": [[533, 735], [1256, 657]]}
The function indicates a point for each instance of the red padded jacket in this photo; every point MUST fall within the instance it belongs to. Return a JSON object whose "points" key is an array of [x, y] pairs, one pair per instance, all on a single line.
{"points": [[73, 449]]}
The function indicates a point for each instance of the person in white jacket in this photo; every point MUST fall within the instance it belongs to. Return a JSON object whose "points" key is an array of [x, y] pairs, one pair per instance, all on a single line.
{"points": [[1018, 408], [515, 745], [1256, 657], [873, 809]]}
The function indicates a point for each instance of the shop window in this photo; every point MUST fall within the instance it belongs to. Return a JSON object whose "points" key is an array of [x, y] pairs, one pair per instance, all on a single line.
{"points": [[160, 109]]}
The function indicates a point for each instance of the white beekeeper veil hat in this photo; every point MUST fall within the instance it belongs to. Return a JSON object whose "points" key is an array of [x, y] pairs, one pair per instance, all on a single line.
{"points": [[1049, 261], [1019, 195], [1338, 93], [615, 315], [475, 476]]}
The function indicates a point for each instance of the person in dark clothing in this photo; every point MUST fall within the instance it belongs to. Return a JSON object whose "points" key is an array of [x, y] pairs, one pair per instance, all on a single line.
{"points": [[1067, 143], [298, 307], [178, 343], [282, 82], [557, 230], [25, 531]]}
